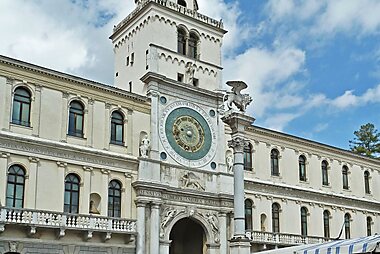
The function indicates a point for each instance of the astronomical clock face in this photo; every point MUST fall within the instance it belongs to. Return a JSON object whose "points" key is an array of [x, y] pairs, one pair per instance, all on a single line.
{"points": [[187, 134]]}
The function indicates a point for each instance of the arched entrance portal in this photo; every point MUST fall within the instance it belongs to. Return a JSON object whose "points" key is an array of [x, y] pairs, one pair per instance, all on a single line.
{"points": [[187, 237]]}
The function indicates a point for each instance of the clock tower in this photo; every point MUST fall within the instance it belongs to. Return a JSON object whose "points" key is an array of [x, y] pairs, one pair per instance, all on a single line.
{"points": [[170, 52]]}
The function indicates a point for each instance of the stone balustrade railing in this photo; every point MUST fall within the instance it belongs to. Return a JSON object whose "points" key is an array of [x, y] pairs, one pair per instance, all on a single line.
{"points": [[46, 219], [283, 238], [174, 6]]}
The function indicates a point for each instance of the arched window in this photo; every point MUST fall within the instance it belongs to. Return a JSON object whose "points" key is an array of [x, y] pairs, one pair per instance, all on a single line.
{"points": [[347, 225], [193, 45], [15, 187], [304, 221], [325, 175], [114, 199], [181, 42], [302, 168], [275, 218], [366, 183], [76, 119], [182, 3], [248, 157], [71, 194], [117, 128], [274, 154], [345, 177], [369, 226], [21, 107], [326, 224], [248, 214]]}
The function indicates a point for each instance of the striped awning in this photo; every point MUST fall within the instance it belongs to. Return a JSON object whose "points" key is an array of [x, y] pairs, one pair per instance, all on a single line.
{"points": [[367, 244], [350, 246]]}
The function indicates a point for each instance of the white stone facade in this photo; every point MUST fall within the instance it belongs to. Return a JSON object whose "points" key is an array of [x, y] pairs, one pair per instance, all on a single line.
{"points": [[159, 187]]}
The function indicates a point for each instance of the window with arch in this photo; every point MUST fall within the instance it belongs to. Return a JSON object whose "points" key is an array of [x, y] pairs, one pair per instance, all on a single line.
{"points": [[182, 3], [369, 226], [248, 204], [21, 107], [325, 174], [193, 46], [302, 168], [76, 119], [345, 177], [326, 224], [117, 128], [366, 182], [15, 187], [276, 218], [248, 157], [114, 199], [181, 49], [274, 156], [304, 212], [71, 199], [347, 226]]}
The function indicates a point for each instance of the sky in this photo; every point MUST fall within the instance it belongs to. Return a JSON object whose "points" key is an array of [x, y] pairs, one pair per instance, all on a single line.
{"points": [[312, 66]]}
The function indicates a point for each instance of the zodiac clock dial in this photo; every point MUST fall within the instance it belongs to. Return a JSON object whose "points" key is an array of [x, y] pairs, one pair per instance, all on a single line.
{"points": [[187, 134]]}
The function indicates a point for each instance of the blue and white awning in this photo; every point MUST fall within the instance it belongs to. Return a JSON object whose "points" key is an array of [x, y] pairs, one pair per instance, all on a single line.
{"points": [[350, 246], [367, 244]]}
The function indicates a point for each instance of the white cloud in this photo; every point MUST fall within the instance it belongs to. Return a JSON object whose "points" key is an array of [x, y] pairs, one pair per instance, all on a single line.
{"points": [[279, 121], [348, 99]]}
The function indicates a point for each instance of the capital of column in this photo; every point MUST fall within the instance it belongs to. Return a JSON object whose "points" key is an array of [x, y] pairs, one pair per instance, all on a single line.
{"points": [[238, 144], [105, 171], [155, 205], [5, 155], [61, 164], [34, 159], [88, 169], [153, 94], [141, 203]]}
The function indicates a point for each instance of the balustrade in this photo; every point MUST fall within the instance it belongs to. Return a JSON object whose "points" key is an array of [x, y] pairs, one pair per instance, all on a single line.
{"points": [[283, 238], [37, 218]]}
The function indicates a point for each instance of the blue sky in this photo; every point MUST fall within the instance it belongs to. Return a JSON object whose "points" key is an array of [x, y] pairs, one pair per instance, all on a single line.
{"points": [[312, 66]]}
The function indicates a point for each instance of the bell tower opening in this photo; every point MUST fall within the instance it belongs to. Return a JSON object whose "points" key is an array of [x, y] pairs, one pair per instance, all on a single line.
{"points": [[182, 2], [187, 237]]}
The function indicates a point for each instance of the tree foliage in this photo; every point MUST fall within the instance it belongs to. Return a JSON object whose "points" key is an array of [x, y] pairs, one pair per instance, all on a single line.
{"points": [[366, 141]]}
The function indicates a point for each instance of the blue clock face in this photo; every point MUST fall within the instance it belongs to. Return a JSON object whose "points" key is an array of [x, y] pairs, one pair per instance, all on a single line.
{"points": [[188, 133]]}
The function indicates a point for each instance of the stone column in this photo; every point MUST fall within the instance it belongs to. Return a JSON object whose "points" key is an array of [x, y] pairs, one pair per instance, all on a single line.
{"points": [[238, 144], [140, 224], [239, 244], [223, 232], [31, 187], [155, 229], [3, 177]]}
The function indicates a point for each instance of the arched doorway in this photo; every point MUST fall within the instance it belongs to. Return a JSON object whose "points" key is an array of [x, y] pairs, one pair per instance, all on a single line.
{"points": [[187, 237]]}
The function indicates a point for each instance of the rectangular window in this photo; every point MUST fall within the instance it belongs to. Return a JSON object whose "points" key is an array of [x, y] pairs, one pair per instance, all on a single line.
{"points": [[179, 77], [130, 86], [146, 59], [132, 58], [195, 82], [127, 61]]}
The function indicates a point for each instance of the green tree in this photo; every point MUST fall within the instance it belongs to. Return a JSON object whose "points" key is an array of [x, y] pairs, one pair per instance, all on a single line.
{"points": [[366, 141]]}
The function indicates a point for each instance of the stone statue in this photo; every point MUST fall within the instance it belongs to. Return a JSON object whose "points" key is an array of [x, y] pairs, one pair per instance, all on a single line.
{"points": [[93, 208], [190, 180], [241, 101], [190, 73], [168, 217], [213, 220], [145, 147], [230, 163]]}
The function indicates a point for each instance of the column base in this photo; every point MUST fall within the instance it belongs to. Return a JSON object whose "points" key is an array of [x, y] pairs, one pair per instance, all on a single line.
{"points": [[240, 245]]}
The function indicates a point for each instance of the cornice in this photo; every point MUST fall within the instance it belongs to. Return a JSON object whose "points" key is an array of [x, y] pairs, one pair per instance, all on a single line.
{"points": [[68, 153], [301, 194], [24, 66], [319, 148]]}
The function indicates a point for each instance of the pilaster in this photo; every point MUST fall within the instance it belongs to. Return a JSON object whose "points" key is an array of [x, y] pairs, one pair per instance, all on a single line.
{"points": [[90, 121], [154, 121], [86, 190], [107, 131], [6, 104], [36, 111], [104, 200], [223, 233], [155, 229], [3, 177], [32, 183], [64, 116], [140, 225], [61, 181]]}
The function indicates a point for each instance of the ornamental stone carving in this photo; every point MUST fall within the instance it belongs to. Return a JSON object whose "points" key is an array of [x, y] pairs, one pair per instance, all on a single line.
{"points": [[145, 147], [241, 101], [238, 144], [230, 163], [192, 181]]}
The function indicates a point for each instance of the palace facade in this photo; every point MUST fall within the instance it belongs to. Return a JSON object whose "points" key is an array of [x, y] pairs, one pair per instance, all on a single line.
{"points": [[144, 165]]}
